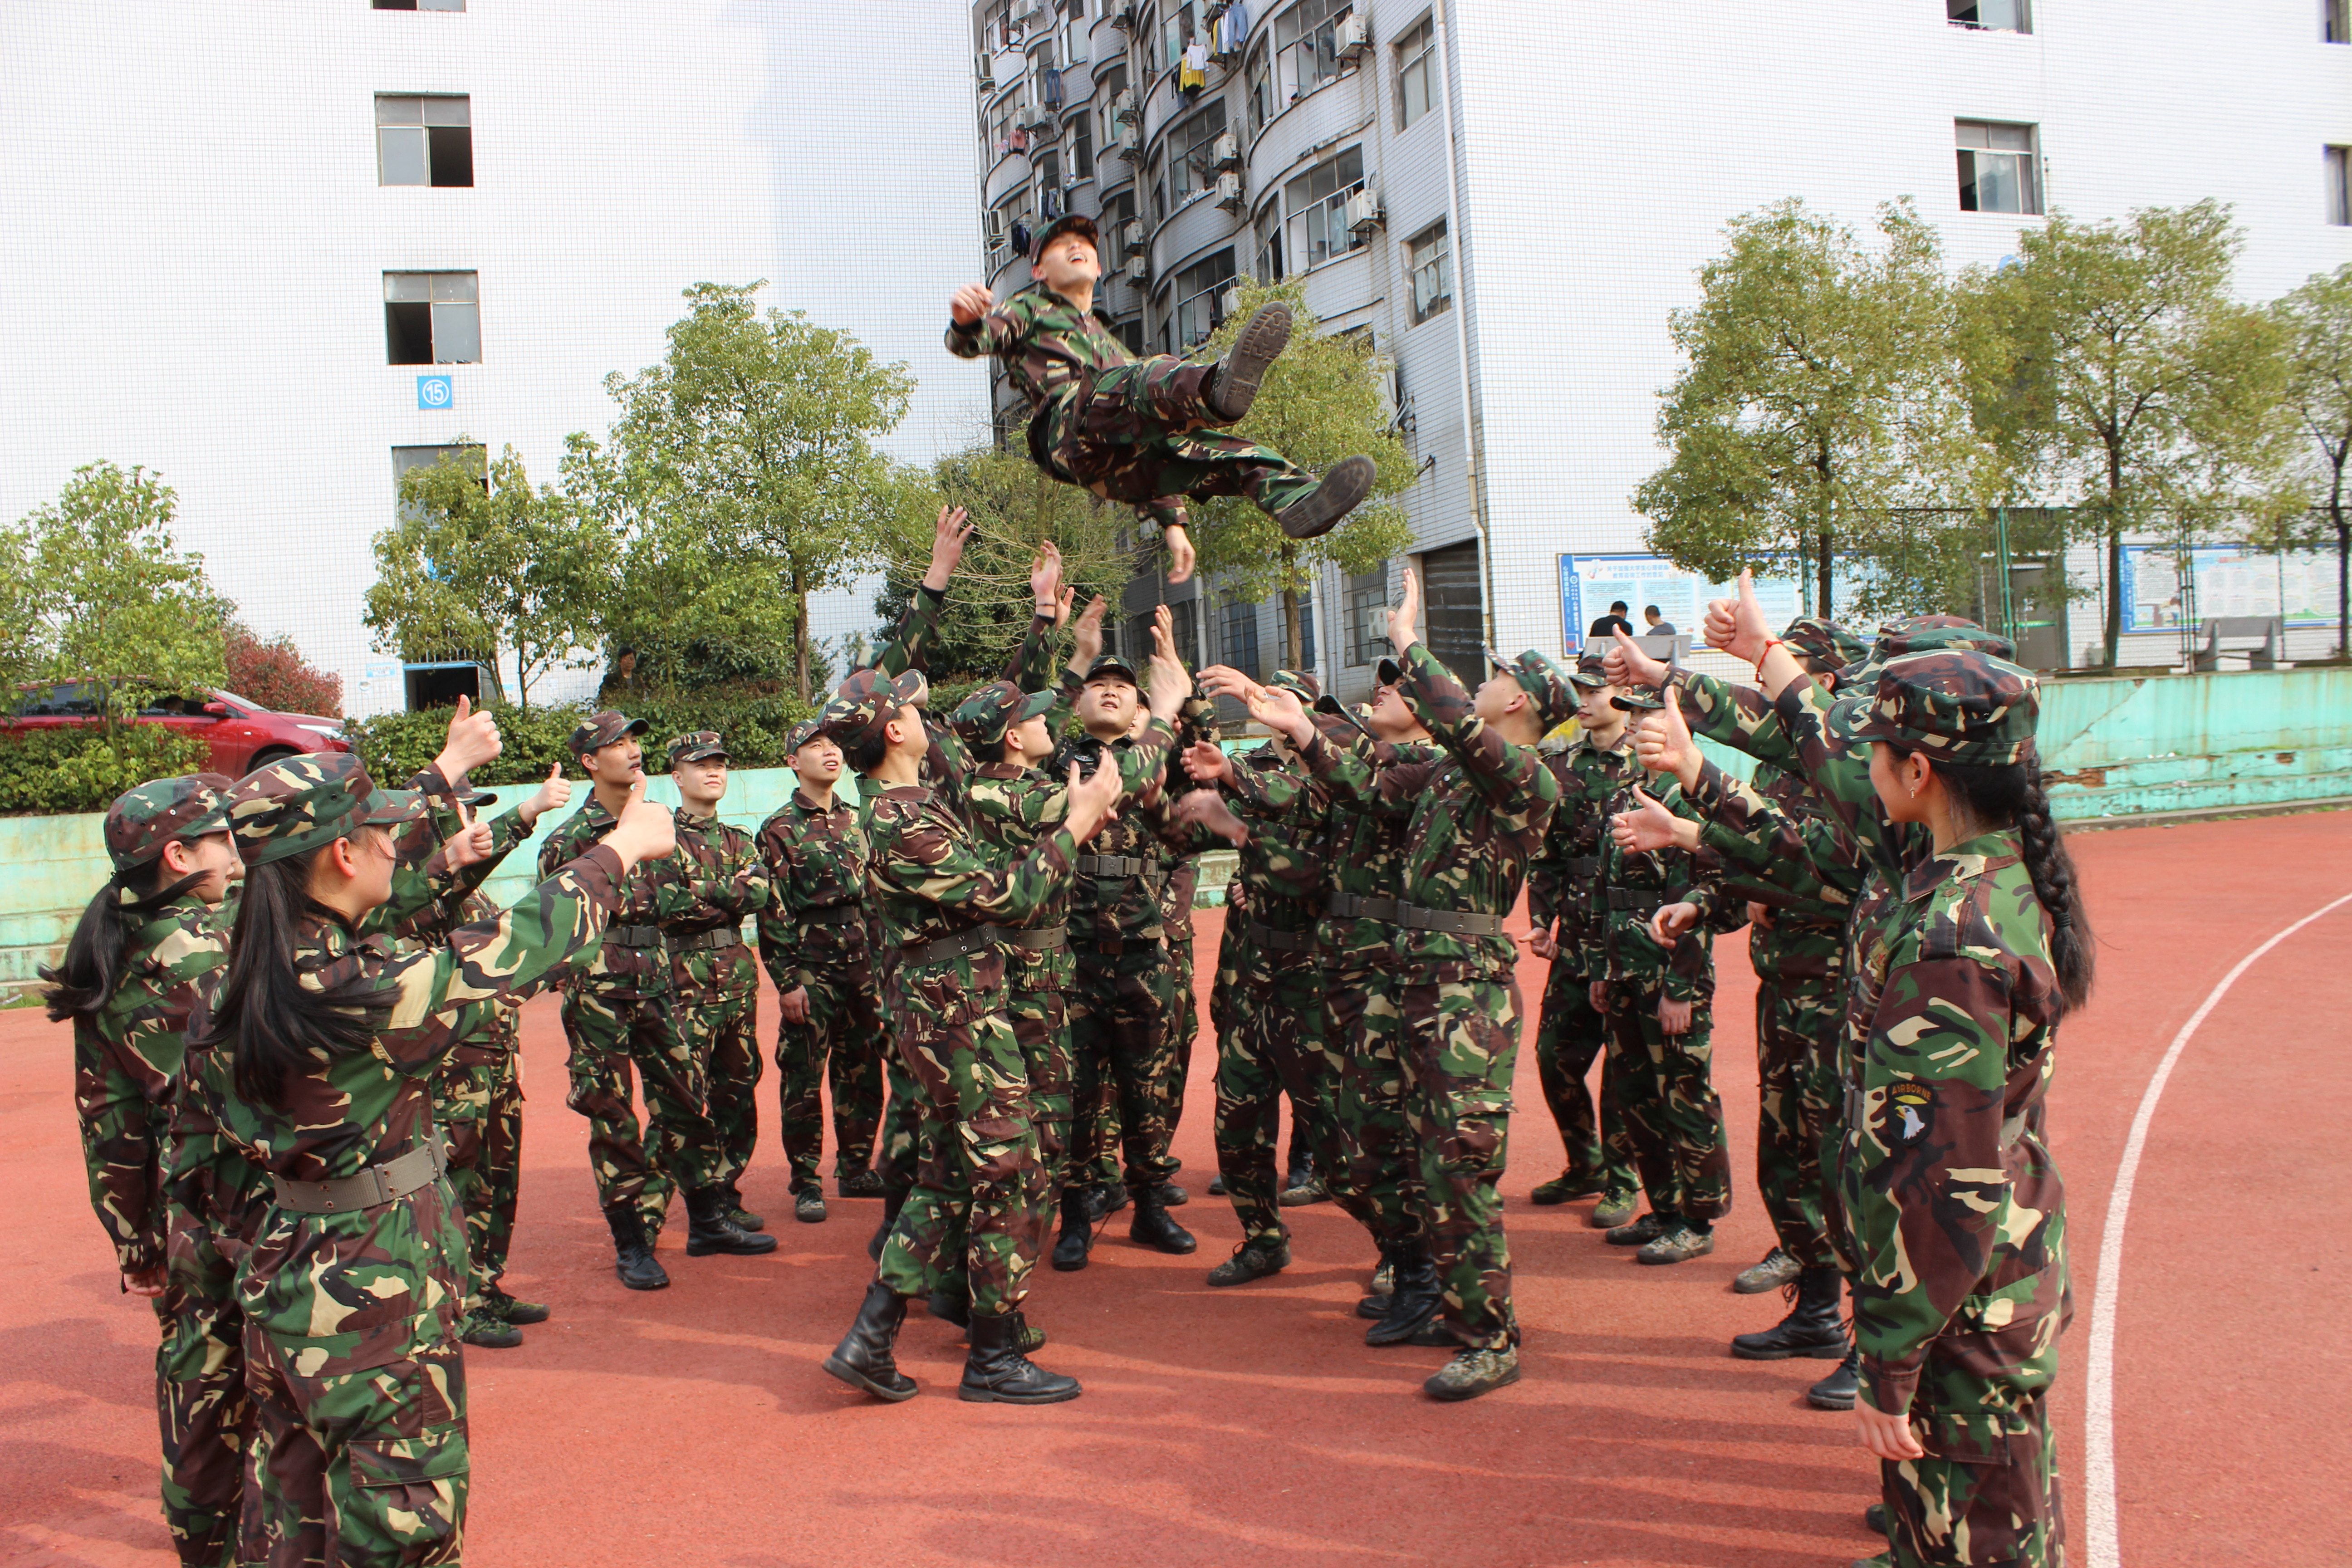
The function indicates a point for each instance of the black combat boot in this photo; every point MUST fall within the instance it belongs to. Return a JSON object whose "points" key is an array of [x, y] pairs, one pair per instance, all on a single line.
{"points": [[1811, 1329], [708, 1229], [633, 1255], [891, 1204], [1416, 1298], [996, 1373], [1376, 1305], [1078, 1235], [862, 1359], [1155, 1227], [952, 1304], [1233, 386], [1836, 1390], [1254, 1260], [1321, 509]]}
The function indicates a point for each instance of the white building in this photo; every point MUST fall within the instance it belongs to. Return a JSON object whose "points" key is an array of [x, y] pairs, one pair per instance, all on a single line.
{"points": [[1555, 174], [201, 252]]}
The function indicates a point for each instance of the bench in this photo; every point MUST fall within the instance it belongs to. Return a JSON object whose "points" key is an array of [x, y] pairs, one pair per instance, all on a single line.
{"points": [[2269, 631]]}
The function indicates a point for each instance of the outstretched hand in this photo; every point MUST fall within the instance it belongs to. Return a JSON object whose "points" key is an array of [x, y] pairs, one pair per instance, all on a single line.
{"points": [[1650, 825], [948, 540], [1664, 743], [1737, 625], [1627, 665], [473, 740], [1179, 553], [1207, 763], [1206, 808], [1406, 615], [1668, 924], [1277, 710], [970, 303], [1171, 683], [644, 831], [553, 794], [1088, 635], [469, 846]]}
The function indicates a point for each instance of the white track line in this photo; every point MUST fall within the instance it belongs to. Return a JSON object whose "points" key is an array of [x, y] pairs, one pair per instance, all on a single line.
{"points": [[2100, 1540]]}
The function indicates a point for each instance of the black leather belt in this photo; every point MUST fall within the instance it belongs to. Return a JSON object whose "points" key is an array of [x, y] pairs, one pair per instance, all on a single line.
{"points": [[1412, 917], [827, 914], [1117, 866], [716, 937], [1584, 866], [372, 1188], [1349, 907], [632, 936], [1043, 939], [979, 939], [1275, 940]]}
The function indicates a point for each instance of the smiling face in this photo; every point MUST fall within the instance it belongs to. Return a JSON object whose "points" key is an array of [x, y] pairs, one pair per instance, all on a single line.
{"points": [[1393, 717], [1068, 263], [700, 785], [1107, 706]]}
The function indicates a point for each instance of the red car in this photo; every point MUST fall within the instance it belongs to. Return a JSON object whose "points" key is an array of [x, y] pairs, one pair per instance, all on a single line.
{"points": [[242, 734]]}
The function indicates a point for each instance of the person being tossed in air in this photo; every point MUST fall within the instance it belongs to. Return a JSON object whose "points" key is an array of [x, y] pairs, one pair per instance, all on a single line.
{"points": [[1141, 431]]}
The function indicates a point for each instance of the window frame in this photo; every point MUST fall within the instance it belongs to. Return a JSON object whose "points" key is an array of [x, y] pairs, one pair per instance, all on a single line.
{"points": [[1437, 233], [1298, 249], [1366, 595], [1190, 152], [1198, 279], [436, 305], [2337, 161], [2022, 26], [2027, 161], [1422, 34], [1308, 43], [425, 125]]}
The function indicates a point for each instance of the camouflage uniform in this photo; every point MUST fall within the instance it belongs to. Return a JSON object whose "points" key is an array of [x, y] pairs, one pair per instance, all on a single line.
{"points": [[352, 1304], [1126, 429], [1476, 818], [714, 983], [128, 1059]]}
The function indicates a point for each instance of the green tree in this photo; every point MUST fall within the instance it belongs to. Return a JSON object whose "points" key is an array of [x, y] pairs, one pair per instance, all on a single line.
{"points": [[2318, 321], [2118, 374], [98, 590], [1321, 402], [482, 564], [1818, 413], [755, 439]]}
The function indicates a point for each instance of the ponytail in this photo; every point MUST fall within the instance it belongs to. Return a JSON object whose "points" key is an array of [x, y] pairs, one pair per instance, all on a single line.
{"points": [[272, 1021], [85, 980], [2012, 795]]}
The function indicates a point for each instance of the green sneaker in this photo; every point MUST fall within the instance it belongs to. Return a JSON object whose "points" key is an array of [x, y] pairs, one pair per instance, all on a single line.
{"points": [[1310, 1191], [522, 1314], [1471, 1372], [1568, 1184], [1639, 1232], [486, 1330], [808, 1206], [1615, 1207], [1253, 1259], [1679, 1245], [1775, 1269], [865, 1184]]}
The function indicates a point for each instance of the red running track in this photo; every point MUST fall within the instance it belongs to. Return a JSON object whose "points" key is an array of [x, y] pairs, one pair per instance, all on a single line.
{"points": [[694, 1426]]}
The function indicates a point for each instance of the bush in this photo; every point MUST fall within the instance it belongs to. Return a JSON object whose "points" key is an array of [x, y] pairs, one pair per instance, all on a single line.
{"points": [[48, 772], [395, 745], [276, 675]]}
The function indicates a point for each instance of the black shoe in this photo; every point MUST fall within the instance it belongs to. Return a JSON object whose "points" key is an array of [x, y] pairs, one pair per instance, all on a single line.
{"points": [[1104, 1202], [633, 1255], [1078, 1237], [862, 1359], [1170, 1195], [1568, 1184], [1233, 386], [808, 1206], [522, 1314], [997, 1372], [1874, 1519], [1836, 1390], [1414, 1303], [1811, 1329], [1341, 492], [1153, 1227], [861, 1185], [1217, 1186], [709, 1230], [1641, 1232], [1253, 1259], [485, 1328], [952, 1306]]}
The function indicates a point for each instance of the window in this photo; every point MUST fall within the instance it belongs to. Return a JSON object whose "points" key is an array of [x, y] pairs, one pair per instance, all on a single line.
{"points": [[424, 141], [1317, 203], [1191, 154], [1237, 648], [1306, 628], [1175, 34], [431, 317], [1991, 15], [1997, 174], [1082, 149], [1430, 258], [1307, 44], [2335, 21], [1260, 88], [420, 5], [406, 457], [1199, 299], [1130, 333], [1416, 65], [1269, 244], [2339, 184], [1158, 194], [1368, 616], [1107, 87]]}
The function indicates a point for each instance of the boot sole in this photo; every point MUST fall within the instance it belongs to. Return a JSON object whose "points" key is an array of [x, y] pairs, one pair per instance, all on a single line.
{"points": [[707, 1248], [660, 1284], [1263, 1274], [1376, 1308], [1829, 1404], [1817, 1353], [1258, 346], [990, 1396], [1597, 1222], [1342, 491], [1062, 1268], [491, 1344], [860, 1381], [1663, 1262], [1741, 1286], [1186, 1249], [1454, 1396]]}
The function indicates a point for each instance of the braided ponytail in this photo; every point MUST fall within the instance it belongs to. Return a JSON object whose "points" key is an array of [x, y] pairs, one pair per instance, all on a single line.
{"points": [[2052, 871]]}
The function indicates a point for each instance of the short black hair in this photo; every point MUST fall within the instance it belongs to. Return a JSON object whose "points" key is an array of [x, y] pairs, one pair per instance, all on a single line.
{"points": [[866, 754], [1617, 606], [623, 651], [1651, 610]]}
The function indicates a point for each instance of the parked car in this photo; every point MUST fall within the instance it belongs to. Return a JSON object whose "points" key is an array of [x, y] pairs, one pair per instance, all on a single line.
{"points": [[241, 733]]}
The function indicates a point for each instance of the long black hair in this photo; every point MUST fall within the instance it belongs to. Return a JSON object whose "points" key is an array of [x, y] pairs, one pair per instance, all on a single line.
{"points": [[273, 1022], [2010, 795], [84, 981]]}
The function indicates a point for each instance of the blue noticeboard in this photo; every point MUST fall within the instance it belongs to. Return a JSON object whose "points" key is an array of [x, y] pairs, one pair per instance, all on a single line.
{"points": [[437, 392]]}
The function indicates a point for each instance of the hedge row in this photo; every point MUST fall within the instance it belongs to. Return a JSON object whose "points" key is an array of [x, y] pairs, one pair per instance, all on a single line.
{"points": [[395, 745], [51, 771]]}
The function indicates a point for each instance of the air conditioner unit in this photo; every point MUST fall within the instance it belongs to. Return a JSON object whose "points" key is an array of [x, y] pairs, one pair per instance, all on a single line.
{"points": [[1127, 146], [1355, 36], [1227, 152], [1041, 122], [1122, 107], [1123, 18], [984, 70], [1138, 270], [1131, 236], [1025, 11], [995, 225], [1362, 213], [1229, 190]]}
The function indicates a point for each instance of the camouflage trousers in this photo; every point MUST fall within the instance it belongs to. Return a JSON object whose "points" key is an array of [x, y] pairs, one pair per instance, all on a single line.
{"points": [[1124, 1083], [1800, 1025], [1184, 1016], [846, 1039], [1038, 1008], [207, 1421], [1362, 1034], [610, 1035], [1568, 1034], [898, 1147], [1275, 1046], [478, 1104], [980, 1190], [1459, 1045], [1672, 1115], [1133, 433], [722, 1035], [1988, 1491]]}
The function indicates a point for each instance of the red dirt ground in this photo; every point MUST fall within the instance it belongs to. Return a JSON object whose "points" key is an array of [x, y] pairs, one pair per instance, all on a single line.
{"points": [[694, 1426]]}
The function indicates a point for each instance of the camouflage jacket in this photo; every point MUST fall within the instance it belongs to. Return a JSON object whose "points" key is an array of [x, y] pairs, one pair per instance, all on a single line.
{"points": [[441, 907], [631, 960], [732, 882], [1279, 871], [1045, 342], [1476, 818], [1632, 885], [818, 915], [1011, 807], [126, 1058], [1561, 879], [1123, 908], [1802, 935], [1363, 856], [1954, 1209], [350, 1291]]}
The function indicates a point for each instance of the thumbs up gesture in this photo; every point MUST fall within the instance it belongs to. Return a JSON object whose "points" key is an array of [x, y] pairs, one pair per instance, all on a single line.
{"points": [[1650, 825], [1627, 665], [553, 795], [1737, 626], [473, 740], [1664, 743]]}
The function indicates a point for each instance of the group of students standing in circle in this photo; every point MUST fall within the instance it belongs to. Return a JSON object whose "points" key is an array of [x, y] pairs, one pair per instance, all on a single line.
{"points": [[295, 1027]]}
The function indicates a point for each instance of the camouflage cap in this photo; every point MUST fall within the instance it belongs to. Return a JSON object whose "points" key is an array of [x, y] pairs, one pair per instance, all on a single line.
{"points": [[302, 802], [1924, 633], [605, 726], [1822, 644], [1110, 667], [1640, 698], [801, 734], [698, 747], [142, 821], [869, 700], [1542, 677], [1068, 223], [1359, 715], [1957, 705], [1589, 672], [982, 718], [1389, 672], [1301, 684]]}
